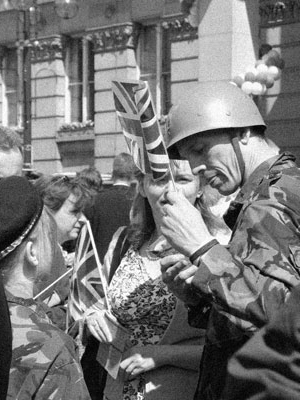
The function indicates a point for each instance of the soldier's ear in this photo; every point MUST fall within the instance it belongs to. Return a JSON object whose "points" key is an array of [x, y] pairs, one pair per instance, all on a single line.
{"points": [[245, 136], [31, 253], [30, 260]]}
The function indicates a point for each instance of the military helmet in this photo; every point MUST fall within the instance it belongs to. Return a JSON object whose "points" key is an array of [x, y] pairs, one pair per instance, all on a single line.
{"points": [[208, 106]]}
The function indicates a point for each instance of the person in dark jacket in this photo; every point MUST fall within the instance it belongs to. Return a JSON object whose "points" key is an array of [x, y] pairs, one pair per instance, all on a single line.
{"points": [[111, 207]]}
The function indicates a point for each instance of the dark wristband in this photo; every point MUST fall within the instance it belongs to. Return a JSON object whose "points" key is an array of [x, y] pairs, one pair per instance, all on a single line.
{"points": [[203, 250]]}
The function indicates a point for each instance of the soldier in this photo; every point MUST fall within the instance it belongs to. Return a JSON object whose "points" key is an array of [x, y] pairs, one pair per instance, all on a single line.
{"points": [[220, 131], [11, 162], [44, 364]]}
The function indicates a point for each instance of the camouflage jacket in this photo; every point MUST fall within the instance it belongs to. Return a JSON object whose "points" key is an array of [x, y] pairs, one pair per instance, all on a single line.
{"points": [[248, 280], [268, 366], [44, 364]]}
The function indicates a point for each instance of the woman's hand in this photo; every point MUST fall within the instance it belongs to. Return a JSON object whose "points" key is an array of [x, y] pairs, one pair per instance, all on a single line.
{"points": [[145, 358], [97, 324], [137, 360]]}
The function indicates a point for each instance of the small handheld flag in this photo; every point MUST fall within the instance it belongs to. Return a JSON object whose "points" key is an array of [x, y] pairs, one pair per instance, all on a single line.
{"points": [[141, 128], [88, 284]]}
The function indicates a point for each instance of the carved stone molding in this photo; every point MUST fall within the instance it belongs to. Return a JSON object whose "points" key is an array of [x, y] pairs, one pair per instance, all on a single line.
{"points": [[180, 29], [75, 134], [114, 38], [279, 12], [47, 49]]}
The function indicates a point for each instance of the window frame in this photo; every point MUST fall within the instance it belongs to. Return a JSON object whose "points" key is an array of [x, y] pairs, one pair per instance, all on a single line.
{"points": [[87, 62], [19, 87], [162, 40]]}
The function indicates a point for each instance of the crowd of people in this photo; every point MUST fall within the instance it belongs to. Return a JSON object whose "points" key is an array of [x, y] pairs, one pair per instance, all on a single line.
{"points": [[201, 266]]}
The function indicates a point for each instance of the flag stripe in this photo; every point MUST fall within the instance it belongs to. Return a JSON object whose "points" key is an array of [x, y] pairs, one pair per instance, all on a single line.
{"points": [[124, 98]]}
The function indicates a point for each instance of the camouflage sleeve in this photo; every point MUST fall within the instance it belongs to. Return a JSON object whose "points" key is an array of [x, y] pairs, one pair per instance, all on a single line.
{"points": [[268, 365], [64, 381], [251, 279]]}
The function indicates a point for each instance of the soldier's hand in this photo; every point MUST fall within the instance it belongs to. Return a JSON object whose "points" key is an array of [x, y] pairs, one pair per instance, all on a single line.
{"points": [[182, 223], [177, 274]]}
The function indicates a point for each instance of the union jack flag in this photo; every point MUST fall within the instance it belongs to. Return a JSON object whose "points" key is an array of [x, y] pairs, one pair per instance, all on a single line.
{"points": [[88, 285], [140, 127]]}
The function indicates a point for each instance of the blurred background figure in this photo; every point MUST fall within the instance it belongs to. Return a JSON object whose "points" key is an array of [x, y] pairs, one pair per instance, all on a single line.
{"points": [[111, 207], [44, 363], [11, 158], [92, 179]]}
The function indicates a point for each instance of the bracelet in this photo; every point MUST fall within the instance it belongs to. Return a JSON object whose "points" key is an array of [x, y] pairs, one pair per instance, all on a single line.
{"points": [[203, 250]]}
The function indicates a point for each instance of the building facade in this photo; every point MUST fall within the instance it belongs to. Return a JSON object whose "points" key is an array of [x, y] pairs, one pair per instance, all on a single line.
{"points": [[69, 65]]}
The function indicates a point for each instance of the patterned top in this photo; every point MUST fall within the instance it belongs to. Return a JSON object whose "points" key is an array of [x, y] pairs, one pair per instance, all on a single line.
{"points": [[248, 281], [44, 364], [143, 306]]}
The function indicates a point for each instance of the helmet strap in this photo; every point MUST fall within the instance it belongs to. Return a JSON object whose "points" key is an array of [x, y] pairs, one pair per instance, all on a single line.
{"points": [[239, 156]]}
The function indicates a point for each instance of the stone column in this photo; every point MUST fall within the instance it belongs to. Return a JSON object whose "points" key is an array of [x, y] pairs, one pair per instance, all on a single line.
{"points": [[228, 37], [114, 59], [47, 93]]}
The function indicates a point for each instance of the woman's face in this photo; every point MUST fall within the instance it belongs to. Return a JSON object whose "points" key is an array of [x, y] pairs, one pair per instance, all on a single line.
{"points": [[184, 180], [69, 220]]}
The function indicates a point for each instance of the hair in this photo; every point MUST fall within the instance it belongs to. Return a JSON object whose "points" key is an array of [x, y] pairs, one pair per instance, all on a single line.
{"points": [[123, 167], [9, 139], [55, 190], [45, 234], [91, 178]]}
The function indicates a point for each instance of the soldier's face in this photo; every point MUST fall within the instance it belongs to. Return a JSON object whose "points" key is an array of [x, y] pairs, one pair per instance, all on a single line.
{"points": [[213, 156]]}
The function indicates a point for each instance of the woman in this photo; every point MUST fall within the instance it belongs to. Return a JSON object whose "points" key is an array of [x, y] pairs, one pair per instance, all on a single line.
{"points": [[65, 198], [45, 362], [164, 352]]}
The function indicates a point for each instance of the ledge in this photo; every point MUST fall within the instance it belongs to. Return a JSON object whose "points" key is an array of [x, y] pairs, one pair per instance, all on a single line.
{"points": [[75, 135]]}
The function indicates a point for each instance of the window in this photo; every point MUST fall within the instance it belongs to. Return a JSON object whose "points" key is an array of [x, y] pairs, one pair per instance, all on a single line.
{"points": [[155, 65], [10, 88], [80, 81]]}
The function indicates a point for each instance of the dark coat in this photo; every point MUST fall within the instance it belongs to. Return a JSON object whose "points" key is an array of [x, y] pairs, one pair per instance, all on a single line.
{"points": [[5, 344], [109, 211]]}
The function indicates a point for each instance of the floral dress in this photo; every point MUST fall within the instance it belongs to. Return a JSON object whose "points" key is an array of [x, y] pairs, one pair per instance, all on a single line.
{"points": [[142, 305]]}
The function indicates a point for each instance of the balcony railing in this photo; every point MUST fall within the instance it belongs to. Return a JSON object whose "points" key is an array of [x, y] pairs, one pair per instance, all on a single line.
{"points": [[76, 131], [279, 12]]}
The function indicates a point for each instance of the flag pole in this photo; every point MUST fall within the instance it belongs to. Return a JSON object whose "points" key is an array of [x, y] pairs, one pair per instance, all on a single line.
{"points": [[172, 178], [53, 283], [103, 280]]}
